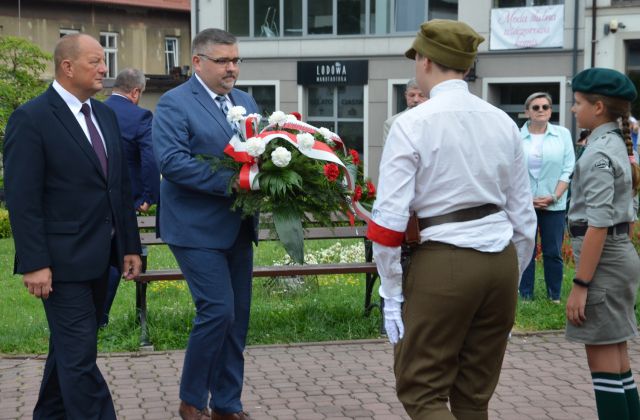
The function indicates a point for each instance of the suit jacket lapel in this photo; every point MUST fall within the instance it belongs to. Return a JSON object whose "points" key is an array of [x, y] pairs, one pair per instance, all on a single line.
{"points": [[69, 121], [203, 97]]}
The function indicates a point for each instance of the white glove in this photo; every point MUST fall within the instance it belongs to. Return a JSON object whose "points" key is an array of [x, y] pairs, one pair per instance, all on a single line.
{"points": [[393, 319]]}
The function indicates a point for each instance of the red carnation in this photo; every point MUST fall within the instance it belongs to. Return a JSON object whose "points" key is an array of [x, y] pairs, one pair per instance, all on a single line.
{"points": [[371, 189], [331, 171], [355, 156], [357, 193]]}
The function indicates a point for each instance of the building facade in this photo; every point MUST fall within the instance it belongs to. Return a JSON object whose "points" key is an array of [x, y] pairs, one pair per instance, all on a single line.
{"points": [[152, 35], [613, 38], [341, 64]]}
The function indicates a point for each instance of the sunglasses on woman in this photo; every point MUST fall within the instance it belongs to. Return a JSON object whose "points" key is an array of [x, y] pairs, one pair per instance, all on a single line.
{"points": [[537, 107]]}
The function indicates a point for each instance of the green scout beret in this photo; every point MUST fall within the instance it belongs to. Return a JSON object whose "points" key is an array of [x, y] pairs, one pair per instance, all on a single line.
{"points": [[450, 43], [607, 82]]}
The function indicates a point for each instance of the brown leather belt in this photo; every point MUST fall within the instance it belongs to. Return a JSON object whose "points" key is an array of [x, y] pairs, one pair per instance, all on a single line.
{"points": [[581, 230], [463, 215]]}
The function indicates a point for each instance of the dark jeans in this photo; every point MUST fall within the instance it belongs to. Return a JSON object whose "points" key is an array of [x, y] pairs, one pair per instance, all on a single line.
{"points": [[551, 227]]}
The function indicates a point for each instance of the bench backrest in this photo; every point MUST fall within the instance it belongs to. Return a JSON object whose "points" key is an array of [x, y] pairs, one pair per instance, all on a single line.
{"points": [[147, 227]]}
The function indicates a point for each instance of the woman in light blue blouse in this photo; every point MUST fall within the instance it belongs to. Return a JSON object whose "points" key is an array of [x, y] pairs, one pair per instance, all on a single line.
{"points": [[550, 157]]}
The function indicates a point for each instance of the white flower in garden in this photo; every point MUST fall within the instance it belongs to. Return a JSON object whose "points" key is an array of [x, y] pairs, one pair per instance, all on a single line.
{"points": [[281, 157], [236, 114], [255, 146], [278, 118], [305, 141]]}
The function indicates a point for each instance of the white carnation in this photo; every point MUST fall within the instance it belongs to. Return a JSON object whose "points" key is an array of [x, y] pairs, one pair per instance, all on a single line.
{"points": [[291, 118], [278, 118], [327, 134], [281, 157], [305, 141], [255, 146], [236, 114]]}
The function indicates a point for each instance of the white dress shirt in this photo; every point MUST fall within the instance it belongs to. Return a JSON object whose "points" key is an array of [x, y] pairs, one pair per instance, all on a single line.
{"points": [[75, 105], [454, 151], [213, 94]]}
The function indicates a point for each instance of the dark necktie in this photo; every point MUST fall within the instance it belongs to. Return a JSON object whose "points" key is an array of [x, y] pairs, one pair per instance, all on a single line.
{"points": [[94, 136], [222, 102]]}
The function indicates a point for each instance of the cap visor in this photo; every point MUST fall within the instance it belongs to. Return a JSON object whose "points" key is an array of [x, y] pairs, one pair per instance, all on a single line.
{"points": [[410, 54]]}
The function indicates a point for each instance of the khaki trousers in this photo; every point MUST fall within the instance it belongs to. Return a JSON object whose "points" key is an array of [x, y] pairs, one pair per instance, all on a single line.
{"points": [[459, 308]]}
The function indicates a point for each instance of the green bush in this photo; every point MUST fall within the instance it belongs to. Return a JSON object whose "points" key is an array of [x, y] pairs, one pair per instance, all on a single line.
{"points": [[5, 227]]}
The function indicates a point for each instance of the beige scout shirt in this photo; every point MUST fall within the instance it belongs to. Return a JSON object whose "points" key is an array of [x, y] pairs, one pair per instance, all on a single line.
{"points": [[601, 194]]}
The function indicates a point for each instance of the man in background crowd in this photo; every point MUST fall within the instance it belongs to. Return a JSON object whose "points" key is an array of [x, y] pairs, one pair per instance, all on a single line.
{"points": [[413, 96], [135, 133]]}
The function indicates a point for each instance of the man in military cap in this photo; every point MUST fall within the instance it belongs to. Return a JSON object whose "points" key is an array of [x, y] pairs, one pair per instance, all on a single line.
{"points": [[457, 162]]}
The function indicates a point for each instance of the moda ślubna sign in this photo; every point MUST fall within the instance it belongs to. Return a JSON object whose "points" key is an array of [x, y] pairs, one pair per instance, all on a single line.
{"points": [[337, 72], [527, 27]]}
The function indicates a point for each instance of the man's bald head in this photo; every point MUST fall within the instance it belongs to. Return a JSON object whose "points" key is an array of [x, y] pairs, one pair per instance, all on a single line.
{"points": [[67, 48], [80, 66]]}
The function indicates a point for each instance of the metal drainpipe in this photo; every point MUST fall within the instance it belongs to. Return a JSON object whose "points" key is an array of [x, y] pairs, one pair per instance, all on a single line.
{"points": [[574, 65], [197, 12], [594, 9]]}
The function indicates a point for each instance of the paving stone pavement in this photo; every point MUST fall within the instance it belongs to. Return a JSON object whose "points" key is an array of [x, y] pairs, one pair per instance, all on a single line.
{"points": [[543, 377]]}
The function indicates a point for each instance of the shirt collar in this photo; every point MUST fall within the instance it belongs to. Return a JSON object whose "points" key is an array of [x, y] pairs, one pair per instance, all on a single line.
{"points": [[602, 129], [448, 85], [121, 95], [72, 102], [551, 130], [209, 91]]}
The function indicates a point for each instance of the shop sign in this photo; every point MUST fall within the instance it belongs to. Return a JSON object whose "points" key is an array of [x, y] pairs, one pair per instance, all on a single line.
{"points": [[337, 72]]}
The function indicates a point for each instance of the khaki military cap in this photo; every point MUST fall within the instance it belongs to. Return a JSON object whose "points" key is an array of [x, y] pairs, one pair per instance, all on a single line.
{"points": [[450, 43]]}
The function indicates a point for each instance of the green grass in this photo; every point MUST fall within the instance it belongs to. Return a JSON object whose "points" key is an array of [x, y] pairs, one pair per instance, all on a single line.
{"points": [[321, 308]]}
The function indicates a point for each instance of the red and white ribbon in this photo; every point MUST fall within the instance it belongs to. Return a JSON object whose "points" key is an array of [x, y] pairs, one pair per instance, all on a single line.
{"points": [[238, 150]]}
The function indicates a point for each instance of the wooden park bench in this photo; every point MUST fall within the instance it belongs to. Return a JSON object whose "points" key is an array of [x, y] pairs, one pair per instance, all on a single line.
{"points": [[147, 226]]}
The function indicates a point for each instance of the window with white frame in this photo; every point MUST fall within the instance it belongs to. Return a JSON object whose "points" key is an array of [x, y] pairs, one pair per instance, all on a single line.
{"points": [[109, 41], [341, 110], [633, 70], [171, 56], [265, 96], [285, 18], [68, 31], [510, 97]]}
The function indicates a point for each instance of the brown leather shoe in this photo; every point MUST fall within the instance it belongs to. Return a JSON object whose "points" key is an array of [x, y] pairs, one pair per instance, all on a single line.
{"points": [[189, 412], [240, 415]]}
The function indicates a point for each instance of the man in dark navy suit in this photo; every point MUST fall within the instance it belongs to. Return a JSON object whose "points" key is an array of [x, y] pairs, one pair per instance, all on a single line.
{"points": [[71, 212], [135, 133], [211, 242]]}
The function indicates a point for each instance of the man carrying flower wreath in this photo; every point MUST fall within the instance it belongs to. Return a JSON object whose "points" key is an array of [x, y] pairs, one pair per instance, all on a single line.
{"points": [[456, 161], [211, 242]]}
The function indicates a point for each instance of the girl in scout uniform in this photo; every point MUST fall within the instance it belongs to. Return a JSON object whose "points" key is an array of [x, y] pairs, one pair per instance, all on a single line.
{"points": [[600, 307]]}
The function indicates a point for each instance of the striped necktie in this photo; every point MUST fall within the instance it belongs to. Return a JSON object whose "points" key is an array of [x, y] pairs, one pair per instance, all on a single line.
{"points": [[222, 103]]}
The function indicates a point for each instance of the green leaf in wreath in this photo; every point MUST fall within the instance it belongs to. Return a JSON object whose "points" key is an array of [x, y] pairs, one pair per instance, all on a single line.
{"points": [[289, 229]]}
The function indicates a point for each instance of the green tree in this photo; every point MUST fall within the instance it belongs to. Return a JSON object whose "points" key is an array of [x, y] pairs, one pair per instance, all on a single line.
{"points": [[21, 66]]}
